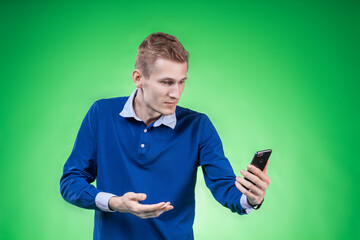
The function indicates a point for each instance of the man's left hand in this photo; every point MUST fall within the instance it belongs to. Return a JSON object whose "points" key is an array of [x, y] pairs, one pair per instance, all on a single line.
{"points": [[258, 185]]}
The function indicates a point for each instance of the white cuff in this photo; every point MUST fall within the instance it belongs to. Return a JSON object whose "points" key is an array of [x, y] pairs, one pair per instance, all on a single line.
{"points": [[244, 204], [102, 201]]}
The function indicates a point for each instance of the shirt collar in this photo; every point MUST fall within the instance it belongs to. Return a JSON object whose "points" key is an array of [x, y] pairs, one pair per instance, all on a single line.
{"points": [[128, 112]]}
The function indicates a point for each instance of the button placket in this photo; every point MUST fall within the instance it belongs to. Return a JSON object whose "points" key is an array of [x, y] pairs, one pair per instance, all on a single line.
{"points": [[143, 143]]}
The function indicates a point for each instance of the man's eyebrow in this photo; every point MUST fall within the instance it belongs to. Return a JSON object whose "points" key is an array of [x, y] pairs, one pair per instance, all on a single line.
{"points": [[171, 79]]}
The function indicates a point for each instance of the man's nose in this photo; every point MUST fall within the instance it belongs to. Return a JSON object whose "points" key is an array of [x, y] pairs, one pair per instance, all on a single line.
{"points": [[175, 91]]}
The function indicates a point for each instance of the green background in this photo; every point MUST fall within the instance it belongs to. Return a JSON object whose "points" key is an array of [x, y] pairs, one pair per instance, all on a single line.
{"points": [[269, 74]]}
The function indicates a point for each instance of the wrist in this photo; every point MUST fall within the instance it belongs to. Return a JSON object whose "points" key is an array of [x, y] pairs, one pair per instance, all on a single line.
{"points": [[115, 203], [255, 206], [250, 204]]}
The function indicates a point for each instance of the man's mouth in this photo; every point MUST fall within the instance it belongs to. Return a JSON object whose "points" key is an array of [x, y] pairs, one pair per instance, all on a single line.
{"points": [[170, 103]]}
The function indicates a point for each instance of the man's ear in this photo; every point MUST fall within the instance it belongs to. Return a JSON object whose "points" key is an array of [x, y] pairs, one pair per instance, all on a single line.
{"points": [[138, 78]]}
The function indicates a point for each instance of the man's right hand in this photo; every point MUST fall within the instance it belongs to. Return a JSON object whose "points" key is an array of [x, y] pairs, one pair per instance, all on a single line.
{"points": [[129, 203]]}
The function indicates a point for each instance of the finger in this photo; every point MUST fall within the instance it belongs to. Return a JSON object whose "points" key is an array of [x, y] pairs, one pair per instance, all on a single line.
{"points": [[253, 178], [151, 214], [167, 207], [146, 215], [155, 213], [164, 210], [147, 208], [252, 188], [158, 213], [266, 179], [244, 190], [257, 172]]}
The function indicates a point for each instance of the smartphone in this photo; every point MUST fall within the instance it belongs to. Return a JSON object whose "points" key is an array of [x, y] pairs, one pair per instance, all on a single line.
{"points": [[259, 160]]}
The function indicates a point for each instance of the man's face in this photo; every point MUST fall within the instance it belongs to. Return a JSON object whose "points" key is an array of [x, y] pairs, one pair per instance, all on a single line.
{"points": [[163, 88]]}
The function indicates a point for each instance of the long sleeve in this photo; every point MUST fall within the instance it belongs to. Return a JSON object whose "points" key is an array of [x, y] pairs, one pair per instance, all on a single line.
{"points": [[102, 201], [218, 173], [80, 169]]}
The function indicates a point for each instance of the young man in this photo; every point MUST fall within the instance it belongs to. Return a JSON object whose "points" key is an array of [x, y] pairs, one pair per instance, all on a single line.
{"points": [[144, 151]]}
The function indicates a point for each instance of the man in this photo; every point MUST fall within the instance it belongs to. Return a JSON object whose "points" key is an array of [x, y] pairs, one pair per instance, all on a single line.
{"points": [[144, 151]]}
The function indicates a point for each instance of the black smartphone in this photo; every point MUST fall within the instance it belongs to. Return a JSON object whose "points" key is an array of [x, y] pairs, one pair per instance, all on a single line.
{"points": [[259, 160]]}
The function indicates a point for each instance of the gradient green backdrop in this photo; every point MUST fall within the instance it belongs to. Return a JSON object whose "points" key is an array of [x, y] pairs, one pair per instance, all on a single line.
{"points": [[269, 74]]}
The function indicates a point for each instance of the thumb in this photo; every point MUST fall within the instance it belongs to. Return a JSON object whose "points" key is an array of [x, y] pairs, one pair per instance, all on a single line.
{"points": [[140, 196], [266, 167]]}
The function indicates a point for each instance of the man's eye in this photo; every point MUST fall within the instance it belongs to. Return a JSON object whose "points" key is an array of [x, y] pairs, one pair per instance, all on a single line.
{"points": [[166, 82]]}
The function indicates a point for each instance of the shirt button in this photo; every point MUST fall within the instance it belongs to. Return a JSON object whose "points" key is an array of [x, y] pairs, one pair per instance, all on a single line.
{"points": [[145, 130], [142, 145]]}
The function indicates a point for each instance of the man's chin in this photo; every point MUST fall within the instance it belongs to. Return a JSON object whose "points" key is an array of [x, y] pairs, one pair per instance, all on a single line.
{"points": [[169, 112]]}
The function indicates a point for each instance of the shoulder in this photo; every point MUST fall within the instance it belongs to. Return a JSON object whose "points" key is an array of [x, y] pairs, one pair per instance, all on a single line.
{"points": [[182, 112], [185, 114], [111, 101], [115, 103], [199, 123]]}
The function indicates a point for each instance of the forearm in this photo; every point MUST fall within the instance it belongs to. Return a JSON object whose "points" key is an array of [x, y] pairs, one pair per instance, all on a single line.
{"points": [[80, 169], [77, 190]]}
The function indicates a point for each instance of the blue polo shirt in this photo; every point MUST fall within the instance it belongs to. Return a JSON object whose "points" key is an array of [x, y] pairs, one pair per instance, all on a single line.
{"points": [[123, 154]]}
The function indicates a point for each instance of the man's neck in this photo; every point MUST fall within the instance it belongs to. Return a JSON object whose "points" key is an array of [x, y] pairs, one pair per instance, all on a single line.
{"points": [[141, 110]]}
